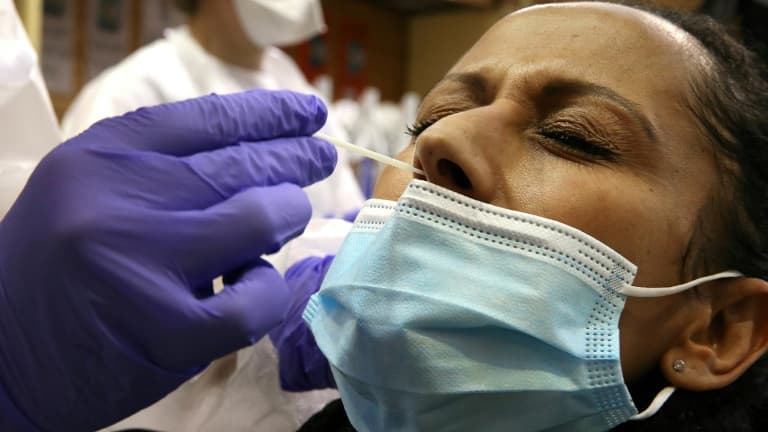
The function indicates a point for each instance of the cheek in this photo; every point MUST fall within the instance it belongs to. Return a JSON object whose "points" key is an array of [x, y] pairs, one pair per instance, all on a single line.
{"points": [[640, 229], [626, 213], [648, 327], [393, 181]]}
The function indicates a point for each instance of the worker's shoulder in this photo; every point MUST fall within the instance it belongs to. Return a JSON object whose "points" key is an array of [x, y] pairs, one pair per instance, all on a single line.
{"points": [[277, 60], [148, 63], [275, 53], [133, 77], [120, 88]]}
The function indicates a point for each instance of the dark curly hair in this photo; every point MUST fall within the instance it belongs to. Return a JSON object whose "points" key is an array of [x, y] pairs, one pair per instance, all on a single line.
{"points": [[729, 100]]}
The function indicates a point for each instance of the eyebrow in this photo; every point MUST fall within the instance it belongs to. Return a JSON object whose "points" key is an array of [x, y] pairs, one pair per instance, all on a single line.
{"points": [[474, 81], [478, 85]]}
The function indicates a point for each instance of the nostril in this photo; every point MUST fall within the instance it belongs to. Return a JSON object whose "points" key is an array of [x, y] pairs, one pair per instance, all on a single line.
{"points": [[453, 172]]}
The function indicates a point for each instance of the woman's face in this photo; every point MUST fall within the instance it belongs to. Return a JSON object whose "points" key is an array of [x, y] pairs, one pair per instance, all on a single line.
{"points": [[575, 112]]}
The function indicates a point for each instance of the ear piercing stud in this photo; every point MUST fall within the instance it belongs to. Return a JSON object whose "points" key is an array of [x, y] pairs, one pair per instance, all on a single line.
{"points": [[678, 365]]}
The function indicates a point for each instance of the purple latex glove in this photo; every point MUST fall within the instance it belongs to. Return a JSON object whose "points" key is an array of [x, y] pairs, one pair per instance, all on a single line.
{"points": [[302, 365], [107, 256]]}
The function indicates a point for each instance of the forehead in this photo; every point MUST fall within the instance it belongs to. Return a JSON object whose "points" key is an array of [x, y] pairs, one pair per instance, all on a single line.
{"points": [[635, 52]]}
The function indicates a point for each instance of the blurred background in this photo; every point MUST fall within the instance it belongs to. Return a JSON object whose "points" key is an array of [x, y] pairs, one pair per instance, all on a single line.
{"points": [[390, 46]]}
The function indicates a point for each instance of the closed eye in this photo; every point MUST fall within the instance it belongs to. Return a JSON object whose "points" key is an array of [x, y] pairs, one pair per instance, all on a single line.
{"points": [[574, 142]]}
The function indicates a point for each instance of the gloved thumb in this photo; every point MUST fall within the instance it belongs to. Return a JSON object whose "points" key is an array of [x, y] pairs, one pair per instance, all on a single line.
{"points": [[240, 315]]}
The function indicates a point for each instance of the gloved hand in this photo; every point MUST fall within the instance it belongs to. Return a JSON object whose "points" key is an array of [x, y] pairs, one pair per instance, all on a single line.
{"points": [[107, 256], [302, 365]]}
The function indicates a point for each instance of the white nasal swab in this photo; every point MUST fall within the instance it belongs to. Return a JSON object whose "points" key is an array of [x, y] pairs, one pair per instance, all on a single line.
{"points": [[369, 153]]}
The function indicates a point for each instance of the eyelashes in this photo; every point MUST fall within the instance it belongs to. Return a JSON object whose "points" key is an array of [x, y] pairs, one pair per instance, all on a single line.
{"points": [[417, 128], [578, 144]]}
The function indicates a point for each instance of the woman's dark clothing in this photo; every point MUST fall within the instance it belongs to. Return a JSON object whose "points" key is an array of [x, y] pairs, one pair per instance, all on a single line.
{"points": [[740, 407]]}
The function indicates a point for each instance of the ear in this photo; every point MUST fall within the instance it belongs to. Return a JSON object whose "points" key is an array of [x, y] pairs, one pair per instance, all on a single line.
{"points": [[718, 348]]}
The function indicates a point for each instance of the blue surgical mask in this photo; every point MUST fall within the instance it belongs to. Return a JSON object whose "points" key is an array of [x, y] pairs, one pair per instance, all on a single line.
{"points": [[444, 313]]}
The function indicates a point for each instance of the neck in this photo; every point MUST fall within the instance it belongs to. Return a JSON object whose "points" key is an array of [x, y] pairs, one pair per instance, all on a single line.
{"points": [[224, 42]]}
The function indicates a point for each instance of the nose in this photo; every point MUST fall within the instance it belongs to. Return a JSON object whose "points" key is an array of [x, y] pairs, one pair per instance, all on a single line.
{"points": [[457, 153]]}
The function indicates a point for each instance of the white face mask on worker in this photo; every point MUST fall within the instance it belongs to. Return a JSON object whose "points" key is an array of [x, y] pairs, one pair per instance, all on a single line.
{"points": [[284, 22]]}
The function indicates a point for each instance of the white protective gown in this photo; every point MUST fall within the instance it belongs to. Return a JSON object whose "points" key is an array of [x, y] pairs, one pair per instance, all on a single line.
{"points": [[27, 121], [239, 392]]}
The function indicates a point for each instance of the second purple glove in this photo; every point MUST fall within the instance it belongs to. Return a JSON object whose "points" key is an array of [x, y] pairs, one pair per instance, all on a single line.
{"points": [[302, 365]]}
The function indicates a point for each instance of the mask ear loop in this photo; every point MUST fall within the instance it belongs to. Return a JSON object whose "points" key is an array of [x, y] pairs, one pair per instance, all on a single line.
{"points": [[659, 401], [634, 291]]}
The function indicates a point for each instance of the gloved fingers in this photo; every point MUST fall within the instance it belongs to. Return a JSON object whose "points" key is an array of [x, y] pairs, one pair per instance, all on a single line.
{"points": [[152, 180], [203, 290], [234, 232], [238, 316], [231, 277], [211, 122], [301, 161]]}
